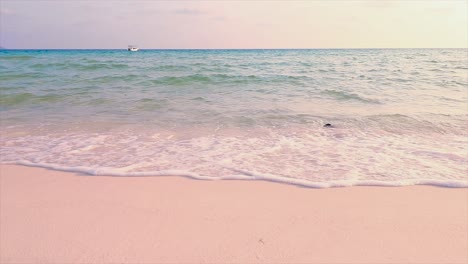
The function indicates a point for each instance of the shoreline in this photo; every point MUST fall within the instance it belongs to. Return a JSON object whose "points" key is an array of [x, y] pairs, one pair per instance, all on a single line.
{"points": [[247, 177], [63, 217]]}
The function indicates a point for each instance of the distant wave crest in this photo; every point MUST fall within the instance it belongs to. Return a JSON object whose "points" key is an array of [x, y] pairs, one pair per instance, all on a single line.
{"points": [[342, 95]]}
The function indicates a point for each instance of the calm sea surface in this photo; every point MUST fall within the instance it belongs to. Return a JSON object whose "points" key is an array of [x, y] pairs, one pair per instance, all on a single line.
{"points": [[399, 116]]}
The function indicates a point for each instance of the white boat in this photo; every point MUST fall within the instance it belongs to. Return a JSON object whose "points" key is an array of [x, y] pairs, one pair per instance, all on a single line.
{"points": [[132, 48]]}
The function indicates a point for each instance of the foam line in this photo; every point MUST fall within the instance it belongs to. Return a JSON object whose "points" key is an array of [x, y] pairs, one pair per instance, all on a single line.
{"points": [[247, 176]]}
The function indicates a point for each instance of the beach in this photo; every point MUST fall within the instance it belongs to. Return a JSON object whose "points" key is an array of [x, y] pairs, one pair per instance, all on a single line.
{"points": [[224, 156], [52, 216], [241, 132]]}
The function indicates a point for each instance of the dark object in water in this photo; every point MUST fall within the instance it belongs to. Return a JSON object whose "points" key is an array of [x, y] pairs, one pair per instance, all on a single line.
{"points": [[327, 125]]}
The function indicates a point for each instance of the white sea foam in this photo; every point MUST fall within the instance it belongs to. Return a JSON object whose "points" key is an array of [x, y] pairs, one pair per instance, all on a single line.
{"points": [[316, 157]]}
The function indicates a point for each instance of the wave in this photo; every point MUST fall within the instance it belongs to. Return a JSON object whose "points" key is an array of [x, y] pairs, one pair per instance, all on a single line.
{"points": [[410, 125], [149, 104], [16, 57], [22, 76], [227, 79], [114, 78], [345, 96], [170, 80], [23, 98], [246, 176], [79, 66], [99, 66], [452, 99], [169, 68]]}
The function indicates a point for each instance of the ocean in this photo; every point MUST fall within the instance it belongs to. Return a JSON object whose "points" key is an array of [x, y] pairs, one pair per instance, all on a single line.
{"points": [[398, 116]]}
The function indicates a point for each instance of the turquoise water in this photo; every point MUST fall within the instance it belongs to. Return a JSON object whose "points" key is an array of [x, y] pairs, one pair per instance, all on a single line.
{"points": [[399, 116]]}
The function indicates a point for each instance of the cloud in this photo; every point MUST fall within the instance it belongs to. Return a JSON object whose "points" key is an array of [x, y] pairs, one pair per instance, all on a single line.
{"points": [[187, 11], [440, 10], [380, 4], [219, 18], [6, 11], [265, 24]]}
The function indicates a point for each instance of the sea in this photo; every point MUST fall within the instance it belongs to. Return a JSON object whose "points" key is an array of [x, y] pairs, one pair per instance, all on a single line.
{"points": [[397, 116]]}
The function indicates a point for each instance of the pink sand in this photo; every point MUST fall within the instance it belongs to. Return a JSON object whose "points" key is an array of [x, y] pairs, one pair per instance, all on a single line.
{"points": [[58, 217]]}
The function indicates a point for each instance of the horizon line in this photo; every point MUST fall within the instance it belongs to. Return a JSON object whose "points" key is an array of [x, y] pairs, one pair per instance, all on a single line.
{"points": [[3, 48]]}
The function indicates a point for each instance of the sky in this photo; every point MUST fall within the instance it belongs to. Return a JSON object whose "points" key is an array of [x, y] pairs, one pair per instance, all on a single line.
{"points": [[155, 24]]}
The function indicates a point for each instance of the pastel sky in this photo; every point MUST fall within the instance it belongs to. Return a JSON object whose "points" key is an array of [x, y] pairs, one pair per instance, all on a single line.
{"points": [[234, 24]]}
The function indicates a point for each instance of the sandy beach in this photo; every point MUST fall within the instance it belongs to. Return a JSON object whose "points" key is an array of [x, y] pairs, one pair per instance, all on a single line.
{"points": [[59, 217]]}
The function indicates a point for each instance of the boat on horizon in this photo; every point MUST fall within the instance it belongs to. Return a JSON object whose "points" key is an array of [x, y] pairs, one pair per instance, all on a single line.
{"points": [[132, 48]]}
